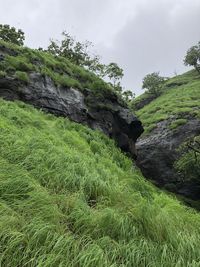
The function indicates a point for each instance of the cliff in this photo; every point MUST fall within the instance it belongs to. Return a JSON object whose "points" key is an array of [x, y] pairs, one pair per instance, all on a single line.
{"points": [[59, 87]]}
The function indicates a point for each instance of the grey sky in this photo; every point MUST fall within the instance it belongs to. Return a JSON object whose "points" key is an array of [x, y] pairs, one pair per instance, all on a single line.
{"points": [[142, 36]]}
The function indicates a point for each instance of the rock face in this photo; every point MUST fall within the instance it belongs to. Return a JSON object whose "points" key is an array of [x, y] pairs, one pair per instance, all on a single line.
{"points": [[103, 113], [157, 154]]}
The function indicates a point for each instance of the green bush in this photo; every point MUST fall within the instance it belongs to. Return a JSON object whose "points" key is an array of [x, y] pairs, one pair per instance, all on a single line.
{"points": [[189, 163]]}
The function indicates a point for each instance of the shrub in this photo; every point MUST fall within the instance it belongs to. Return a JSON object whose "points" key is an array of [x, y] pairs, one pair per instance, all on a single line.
{"points": [[10, 34]]}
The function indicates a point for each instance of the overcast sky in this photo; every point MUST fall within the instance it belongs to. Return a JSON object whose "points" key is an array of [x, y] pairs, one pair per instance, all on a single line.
{"points": [[142, 36]]}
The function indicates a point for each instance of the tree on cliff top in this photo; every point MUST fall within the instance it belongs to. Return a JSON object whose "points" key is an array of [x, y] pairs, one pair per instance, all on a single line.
{"points": [[11, 35], [153, 83], [192, 57]]}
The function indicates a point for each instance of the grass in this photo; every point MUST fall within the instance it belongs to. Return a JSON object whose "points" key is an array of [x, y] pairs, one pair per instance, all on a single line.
{"points": [[180, 97], [69, 197], [175, 124]]}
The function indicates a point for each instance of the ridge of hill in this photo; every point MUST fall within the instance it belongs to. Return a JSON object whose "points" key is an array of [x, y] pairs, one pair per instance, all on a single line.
{"points": [[69, 197]]}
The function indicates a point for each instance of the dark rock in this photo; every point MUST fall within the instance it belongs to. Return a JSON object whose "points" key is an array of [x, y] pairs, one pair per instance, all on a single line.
{"points": [[158, 152], [105, 113], [145, 101]]}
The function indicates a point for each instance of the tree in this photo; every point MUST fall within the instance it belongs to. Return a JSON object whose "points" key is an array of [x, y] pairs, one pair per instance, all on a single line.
{"points": [[10, 34], [153, 83], [77, 52], [114, 72], [80, 54], [128, 96], [192, 57]]}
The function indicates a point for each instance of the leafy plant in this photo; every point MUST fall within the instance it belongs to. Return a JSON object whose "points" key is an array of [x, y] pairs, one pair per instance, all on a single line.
{"points": [[10, 34], [153, 83], [192, 57], [189, 163]]}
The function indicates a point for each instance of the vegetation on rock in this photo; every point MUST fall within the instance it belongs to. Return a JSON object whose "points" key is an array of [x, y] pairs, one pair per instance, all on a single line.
{"points": [[189, 163], [69, 197]]}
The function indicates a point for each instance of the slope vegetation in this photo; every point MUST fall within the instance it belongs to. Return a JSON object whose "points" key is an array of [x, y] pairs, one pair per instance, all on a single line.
{"points": [[69, 197]]}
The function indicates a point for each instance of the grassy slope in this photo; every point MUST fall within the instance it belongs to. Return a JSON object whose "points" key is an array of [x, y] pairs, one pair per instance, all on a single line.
{"points": [[181, 97], [69, 197]]}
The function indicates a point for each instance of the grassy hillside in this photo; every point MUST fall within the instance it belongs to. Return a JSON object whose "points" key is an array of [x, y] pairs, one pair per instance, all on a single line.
{"points": [[69, 197], [180, 98]]}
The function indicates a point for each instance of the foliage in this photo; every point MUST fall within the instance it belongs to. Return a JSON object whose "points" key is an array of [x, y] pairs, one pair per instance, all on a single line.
{"points": [[69, 197], [153, 83], [80, 54], [114, 72], [189, 163], [10, 34], [192, 57], [128, 96]]}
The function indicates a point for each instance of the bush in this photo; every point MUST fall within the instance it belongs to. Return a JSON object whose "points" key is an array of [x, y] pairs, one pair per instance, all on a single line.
{"points": [[189, 163], [10, 34], [153, 83], [192, 57]]}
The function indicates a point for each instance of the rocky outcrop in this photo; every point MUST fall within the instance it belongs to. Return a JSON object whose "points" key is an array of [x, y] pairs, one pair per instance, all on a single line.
{"points": [[104, 113], [158, 152]]}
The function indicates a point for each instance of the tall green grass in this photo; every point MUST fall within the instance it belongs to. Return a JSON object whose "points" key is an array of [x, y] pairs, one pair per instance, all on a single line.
{"points": [[70, 198]]}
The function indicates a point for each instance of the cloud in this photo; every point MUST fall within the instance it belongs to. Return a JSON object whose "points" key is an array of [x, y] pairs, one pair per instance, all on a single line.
{"points": [[140, 35]]}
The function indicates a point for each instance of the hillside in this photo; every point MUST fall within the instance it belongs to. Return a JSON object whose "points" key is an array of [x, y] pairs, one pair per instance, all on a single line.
{"points": [[69, 197], [170, 121]]}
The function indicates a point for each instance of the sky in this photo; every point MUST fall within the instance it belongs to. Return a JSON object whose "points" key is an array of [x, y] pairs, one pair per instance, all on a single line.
{"points": [[141, 36]]}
